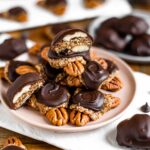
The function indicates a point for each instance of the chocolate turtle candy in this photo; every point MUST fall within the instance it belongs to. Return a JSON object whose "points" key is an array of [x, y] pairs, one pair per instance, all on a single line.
{"points": [[94, 75], [132, 25], [110, 39], [140, 46], [135, 132], [53, 95], [11, 48], [70, 43], [93, 100], [11, 69], [22, 89]]}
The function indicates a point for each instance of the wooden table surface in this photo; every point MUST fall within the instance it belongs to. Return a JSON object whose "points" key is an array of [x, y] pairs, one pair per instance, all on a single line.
{"points": [[39, 36]]}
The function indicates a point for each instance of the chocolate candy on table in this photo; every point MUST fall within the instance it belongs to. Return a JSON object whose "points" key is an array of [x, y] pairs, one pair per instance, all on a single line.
{"points": [[93, 100], [22, 89], [53, 95], [70, 43], [110, 39], [10, 69], [11, 48], [140, 46], [132, 25], [94, 75], [135, 132]]}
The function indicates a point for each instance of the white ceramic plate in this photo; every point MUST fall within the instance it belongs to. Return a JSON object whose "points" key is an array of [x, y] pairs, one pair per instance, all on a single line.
{"points": [[130, 58], [126, 95]]}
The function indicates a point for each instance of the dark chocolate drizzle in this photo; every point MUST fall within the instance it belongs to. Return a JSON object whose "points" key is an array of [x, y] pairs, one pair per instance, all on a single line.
{"points": [[11, 48], [52, 95], [94, 75], [145, 108], [12, 147], [93, 100], [13, 65], [135, 132], [18, 84]]}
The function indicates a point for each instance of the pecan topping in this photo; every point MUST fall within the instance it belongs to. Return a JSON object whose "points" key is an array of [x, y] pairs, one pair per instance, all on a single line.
{"points": [[25, 69], [74, 69], [2, 74], [44, 53], [78, 118], [114, 85], [35, 49], [58, 116]]}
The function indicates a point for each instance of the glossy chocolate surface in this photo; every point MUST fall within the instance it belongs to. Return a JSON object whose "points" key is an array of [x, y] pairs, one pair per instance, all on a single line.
{"points": [[52, 95], [19, 83], [140, 46], [112, 67], [94, 75], [135, 132], [110, 39], [62, 34], [16, 11], [89, 99], [13, 65], [11, 48], [12, 147], [132, 25], [145, 108]]}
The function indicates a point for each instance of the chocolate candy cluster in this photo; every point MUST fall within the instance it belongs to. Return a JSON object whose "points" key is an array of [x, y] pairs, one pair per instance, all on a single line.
{"points": [[65, 86], [127, 35]]}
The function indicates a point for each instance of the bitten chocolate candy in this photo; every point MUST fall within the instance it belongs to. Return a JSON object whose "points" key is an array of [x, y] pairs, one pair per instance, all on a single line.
{"points": [[110, 39], [94, 75], [22, 88], [132, 25], [53, 95], [11, 48], [11, 67], [12, 147], [70, 42], [89, 99], [140, 46], [135, 132]]}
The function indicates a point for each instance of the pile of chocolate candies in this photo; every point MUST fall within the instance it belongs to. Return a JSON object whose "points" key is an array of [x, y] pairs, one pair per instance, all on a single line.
{"points": [[65, 86]]}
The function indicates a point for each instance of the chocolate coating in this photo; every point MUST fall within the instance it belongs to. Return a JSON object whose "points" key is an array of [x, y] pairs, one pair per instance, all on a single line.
{"points": [[62, 34], [140, 46], [12, 147], [132, 25], [145, 108], [54, 2], [19, 83], [110, 39], [135, 132], [16, 11], [52, 95], [94, 75], [110, 23], [89, 99], [13, 65], [11, 48], [112, 67]]}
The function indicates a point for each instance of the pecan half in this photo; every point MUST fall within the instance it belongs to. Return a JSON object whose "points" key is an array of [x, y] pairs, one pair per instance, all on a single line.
{"points": [[57, 116], [44, 53], [115, 84], [79, 119], [35, 49], [74, 68], [2, 73], [14, 141], [25, 69]]}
